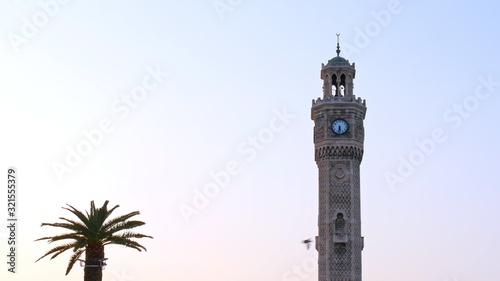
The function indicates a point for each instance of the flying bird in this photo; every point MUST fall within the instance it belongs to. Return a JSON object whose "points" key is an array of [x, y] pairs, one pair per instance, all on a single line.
{"points": [[307, 242]]}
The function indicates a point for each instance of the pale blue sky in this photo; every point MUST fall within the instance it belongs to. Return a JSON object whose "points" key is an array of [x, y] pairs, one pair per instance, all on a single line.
{"points": [[232, 75]]}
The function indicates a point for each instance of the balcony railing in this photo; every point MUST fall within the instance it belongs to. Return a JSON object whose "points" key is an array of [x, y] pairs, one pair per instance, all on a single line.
{"points": [[340, 237]]}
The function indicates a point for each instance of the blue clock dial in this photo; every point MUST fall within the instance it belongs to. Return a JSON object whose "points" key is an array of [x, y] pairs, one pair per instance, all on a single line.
{"points": [[339, 126]]}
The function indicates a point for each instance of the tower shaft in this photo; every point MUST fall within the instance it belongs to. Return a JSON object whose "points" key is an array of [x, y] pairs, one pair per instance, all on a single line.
{"points": [[338, 139]]}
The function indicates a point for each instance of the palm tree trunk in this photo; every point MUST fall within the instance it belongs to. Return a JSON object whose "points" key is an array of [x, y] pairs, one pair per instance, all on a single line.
{"points": [[93, 254]]}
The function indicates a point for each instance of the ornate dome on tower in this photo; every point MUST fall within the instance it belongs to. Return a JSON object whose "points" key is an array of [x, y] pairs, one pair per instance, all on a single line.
{"points": [[337, 60]]}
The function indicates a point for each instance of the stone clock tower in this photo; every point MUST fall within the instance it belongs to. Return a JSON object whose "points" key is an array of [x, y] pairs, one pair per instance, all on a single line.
{"points": [[338, 144]]}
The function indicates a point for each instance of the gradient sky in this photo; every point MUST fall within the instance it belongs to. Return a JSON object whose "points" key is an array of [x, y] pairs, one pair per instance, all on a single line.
{"points": [[233, 73]]}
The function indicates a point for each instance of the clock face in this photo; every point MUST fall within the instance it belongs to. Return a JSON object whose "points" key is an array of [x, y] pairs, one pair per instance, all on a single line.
{"points": [[339, 126]]}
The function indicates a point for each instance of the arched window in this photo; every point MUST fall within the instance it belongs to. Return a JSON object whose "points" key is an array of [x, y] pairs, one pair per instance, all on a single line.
{"points": [[342, 85], [335, 86], [339, 223]]}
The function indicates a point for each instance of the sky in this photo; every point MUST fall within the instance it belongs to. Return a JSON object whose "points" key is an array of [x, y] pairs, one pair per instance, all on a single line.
{"points": [[197, 114]]}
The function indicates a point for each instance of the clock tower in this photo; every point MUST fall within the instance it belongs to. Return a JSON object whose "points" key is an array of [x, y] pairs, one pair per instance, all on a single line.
{"points": [[338, 151]]}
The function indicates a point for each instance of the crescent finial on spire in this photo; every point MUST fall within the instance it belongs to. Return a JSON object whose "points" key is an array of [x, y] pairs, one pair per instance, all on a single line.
{"points": [[338, 45]]}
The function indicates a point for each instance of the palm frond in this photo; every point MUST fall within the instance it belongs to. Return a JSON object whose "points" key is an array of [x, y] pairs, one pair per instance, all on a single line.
{"points": [[119, 219], [58, 250], [63, 225], [123, 226], [103, 212], [73, 259], [110, 211], [45, 238], [83, 228], [98, 217], [125, 242], [78, 214], [81, 243], [130, 234], [51, 239]]}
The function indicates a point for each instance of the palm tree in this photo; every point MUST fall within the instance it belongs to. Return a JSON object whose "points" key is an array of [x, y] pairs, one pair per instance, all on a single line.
{"points": [[90, 234]]}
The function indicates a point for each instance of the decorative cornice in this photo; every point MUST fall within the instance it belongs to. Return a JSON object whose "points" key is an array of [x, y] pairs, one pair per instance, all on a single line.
{"points": [[338, 152], [339, 99]]}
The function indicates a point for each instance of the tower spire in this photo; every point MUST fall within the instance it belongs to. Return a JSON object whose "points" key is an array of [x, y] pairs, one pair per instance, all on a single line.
{"points": [[338, 45]]}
